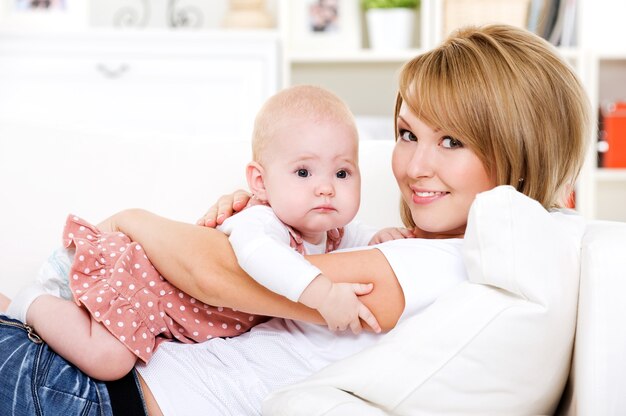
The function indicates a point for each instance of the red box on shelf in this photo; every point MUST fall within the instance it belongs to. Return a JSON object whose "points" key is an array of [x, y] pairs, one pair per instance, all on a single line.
{"points": [[614, 133]]}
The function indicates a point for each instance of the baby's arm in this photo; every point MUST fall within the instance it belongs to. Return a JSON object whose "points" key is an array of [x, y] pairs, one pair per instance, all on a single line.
{"points": [[392, 233], [261, 243]]}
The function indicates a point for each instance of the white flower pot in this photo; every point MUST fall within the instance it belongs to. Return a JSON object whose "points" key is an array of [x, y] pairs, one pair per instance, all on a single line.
{"points": [[390, 29]]}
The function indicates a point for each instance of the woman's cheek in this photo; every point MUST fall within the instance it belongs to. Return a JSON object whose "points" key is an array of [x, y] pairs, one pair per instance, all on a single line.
{"points": [[397, 165]]}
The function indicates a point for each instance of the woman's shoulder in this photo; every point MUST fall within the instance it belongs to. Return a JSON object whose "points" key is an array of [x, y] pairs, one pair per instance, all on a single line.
{"points": [[570, 221]]}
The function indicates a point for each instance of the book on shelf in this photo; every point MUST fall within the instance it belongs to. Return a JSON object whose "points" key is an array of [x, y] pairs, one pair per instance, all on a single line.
{"points": [[612, 140], [554, 20]]}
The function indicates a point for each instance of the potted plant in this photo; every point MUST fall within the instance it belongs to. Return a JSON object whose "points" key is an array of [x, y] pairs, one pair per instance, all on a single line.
{"points": [[390, 23]]}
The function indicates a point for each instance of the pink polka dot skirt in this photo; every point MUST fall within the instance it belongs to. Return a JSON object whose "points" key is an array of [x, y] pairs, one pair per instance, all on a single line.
{"points": [[115, 281]]}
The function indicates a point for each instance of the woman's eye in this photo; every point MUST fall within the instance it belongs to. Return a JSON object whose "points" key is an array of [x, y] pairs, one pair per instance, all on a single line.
{"points": [[451, 143], [342, 174], [407, 136], [303, 173]]}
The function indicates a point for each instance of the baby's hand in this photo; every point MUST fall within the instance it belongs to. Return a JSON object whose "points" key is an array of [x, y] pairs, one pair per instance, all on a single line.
{"points": [[392, 233], [339, 305], [225, 207]]}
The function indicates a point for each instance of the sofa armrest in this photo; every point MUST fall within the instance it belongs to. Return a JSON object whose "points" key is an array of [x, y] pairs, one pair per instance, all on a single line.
{"points": [[598, 373]]}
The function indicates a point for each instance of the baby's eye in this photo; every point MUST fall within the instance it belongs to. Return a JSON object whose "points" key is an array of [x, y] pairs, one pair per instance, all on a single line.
{"points": [[407, 136], [342, 174], [303, 173], [451, 143]]}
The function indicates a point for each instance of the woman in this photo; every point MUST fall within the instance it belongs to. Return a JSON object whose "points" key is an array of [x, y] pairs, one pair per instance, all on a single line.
{"points": [[490, 106]]}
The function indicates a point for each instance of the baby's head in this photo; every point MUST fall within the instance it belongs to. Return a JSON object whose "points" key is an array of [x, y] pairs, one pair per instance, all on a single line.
{"points": [[305, 160]]}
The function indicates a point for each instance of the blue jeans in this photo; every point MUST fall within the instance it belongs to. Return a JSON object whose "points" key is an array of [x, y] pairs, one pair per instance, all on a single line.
{"points": [[34, 380]]}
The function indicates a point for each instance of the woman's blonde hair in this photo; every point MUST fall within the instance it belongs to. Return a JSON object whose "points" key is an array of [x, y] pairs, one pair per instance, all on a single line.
{"points": [[505, 93], [299, 102]]}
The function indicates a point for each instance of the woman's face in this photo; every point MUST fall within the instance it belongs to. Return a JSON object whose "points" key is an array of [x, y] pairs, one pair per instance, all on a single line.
{"points": [[438, 177]]}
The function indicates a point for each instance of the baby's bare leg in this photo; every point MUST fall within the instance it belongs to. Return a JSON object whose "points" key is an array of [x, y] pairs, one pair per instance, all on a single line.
{"points": [[72, 333], [4, 302]]}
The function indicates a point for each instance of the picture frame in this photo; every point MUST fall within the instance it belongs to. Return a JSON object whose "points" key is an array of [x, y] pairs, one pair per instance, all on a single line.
{"points": [[324, 25], [43, 14]]}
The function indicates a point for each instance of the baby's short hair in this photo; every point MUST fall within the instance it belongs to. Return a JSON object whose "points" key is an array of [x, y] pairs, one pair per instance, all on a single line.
{"points": [[300, 102]]}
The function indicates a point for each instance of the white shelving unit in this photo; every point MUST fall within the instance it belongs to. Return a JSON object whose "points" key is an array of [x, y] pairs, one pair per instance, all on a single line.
{"points": [[609, 72], [366, 79]]}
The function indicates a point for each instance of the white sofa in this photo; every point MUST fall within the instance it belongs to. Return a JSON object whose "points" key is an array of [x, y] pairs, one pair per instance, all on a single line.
{"points": [[598, 374], [47, 172]]}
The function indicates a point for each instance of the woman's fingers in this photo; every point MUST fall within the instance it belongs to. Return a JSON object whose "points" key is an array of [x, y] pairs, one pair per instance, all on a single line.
{"points": [[225, 206], [240, 199], [209, 218]]}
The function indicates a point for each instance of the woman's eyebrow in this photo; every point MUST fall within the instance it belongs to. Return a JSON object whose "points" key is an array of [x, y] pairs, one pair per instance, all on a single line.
{"points": [[400, 118]]}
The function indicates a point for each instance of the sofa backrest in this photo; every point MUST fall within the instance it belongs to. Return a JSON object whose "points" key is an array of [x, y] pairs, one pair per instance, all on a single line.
{"points": [[47, 172], [598, 375]]}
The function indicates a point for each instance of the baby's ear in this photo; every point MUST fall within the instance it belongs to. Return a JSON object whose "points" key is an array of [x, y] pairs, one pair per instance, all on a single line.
{"points": [[256, 183]]}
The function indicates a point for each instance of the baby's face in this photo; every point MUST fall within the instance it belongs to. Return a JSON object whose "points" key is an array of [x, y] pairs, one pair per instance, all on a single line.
{"points": [[312, 176]]}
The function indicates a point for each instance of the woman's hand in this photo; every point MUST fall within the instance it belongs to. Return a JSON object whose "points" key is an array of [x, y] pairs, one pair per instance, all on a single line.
{"points": [[393, 233], [225, 207]]}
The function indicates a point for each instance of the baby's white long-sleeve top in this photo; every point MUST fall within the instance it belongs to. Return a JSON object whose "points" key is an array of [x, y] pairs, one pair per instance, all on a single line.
{"points": [[262, 245]]}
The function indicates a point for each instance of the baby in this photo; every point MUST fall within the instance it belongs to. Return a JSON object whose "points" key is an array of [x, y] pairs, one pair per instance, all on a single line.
{"points": [[306, 184]]}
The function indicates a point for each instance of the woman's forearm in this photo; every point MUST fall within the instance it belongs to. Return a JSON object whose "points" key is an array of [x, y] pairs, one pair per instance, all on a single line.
{"points": [[201, 262]]}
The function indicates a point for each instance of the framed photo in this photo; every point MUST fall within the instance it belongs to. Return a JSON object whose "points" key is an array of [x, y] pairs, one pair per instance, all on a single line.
{"points": [[324, 24], [43, 14]]}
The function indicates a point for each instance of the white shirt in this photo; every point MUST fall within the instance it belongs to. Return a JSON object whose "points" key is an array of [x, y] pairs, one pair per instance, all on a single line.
{"points": [[262, 245], [232, 376]]}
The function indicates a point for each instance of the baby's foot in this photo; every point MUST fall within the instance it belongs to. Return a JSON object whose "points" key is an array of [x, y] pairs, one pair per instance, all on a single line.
{"points": [[4, 302]]}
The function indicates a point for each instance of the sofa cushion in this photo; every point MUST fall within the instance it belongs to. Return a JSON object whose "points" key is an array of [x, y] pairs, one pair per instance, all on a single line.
{"points": [[497, 344]]}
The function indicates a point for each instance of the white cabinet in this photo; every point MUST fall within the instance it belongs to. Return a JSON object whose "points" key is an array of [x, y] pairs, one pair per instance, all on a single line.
{"points": [[206, 84]]}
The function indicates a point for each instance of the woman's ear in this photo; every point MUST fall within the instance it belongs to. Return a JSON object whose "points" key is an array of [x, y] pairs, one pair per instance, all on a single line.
{"points": [[256, 183]]}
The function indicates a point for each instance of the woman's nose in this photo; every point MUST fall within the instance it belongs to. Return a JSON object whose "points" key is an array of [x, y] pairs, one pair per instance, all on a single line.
{"points": [[421, 163]]}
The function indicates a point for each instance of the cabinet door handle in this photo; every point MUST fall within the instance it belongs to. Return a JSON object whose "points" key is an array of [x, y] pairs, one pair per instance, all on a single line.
{"points": [[112, 73]]}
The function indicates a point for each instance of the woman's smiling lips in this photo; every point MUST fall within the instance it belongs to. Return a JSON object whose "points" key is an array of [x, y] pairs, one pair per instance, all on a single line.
{"points": [[423, 197]]}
